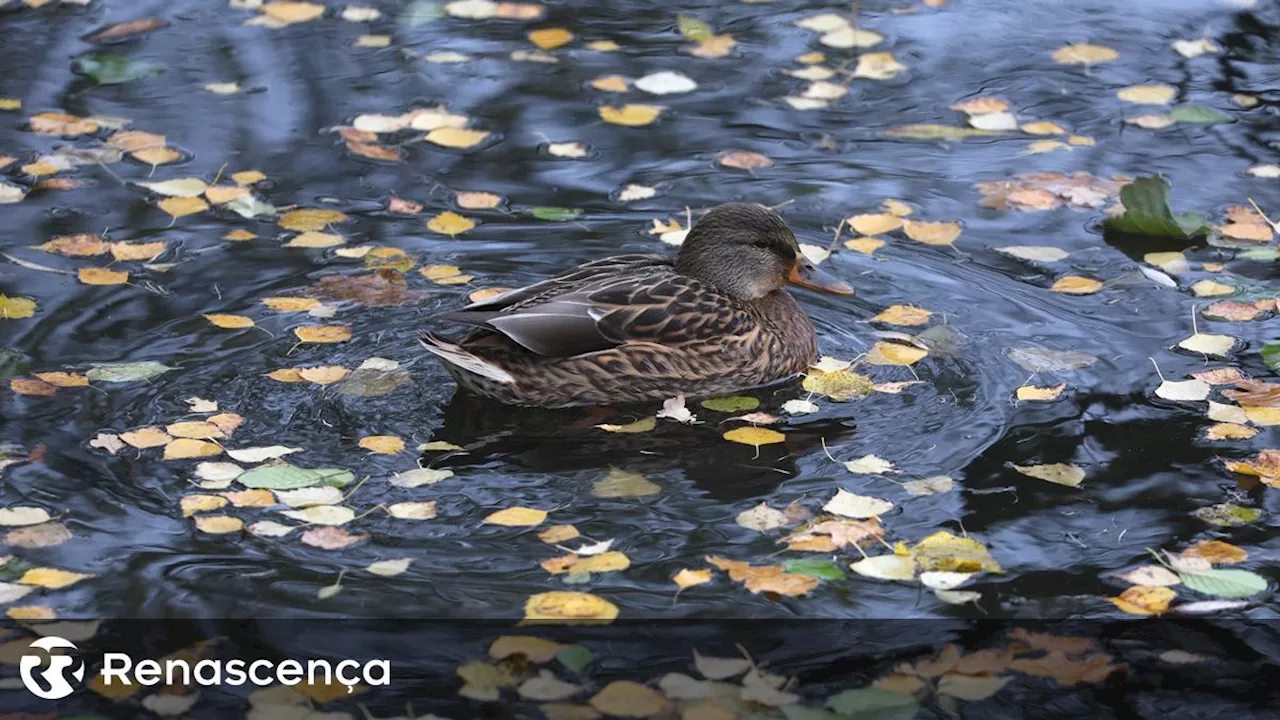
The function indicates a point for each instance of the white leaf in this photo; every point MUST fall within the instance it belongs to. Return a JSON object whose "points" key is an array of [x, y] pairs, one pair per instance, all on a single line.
{"points": [[387, 568], [270, 528], [472, 9], [1183, 390], [167, 705], [1225, 413], [814, 253], [824, 23], [943, 580], [1195, 48], [674, 409], [958, 597], [594, 548], [636, 192], [322, 515], [762, 518], [1034, 253], [1150, 576], [799, 407], [310, 496], [1205, 607], [261, 454], [678, 686], [869, 465], [666, 83], [178, 187], [1158, 277], [886, 567], [763, 689], [567, 149], [1056, 473], [994, 121], [546, 687], [929, 485], [1216, 345], [413, 510], [200, 405], [715, 668], [12, 592], [19, 516], [327, 592], [858, 507], [828, 364], [420, 477], [377, 363]]}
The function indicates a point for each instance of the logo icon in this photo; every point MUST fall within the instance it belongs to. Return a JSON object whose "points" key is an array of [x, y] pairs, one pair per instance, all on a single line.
{"points": [[54, 676]]}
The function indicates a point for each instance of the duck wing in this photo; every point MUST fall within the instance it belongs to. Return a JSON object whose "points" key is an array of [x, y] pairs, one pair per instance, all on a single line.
{"points": [[604, 304]]}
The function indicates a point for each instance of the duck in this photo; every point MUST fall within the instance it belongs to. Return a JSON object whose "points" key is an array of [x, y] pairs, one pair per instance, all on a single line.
{"points": [[714, 320]]}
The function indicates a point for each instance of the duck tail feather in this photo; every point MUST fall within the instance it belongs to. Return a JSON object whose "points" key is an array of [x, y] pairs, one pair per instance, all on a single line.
{"points": [[456, 356]]}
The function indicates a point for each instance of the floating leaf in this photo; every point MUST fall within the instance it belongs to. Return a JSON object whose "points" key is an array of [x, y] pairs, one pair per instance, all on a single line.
{"points": [[182, 206], [693, 29], [944, 551], [559, 214], [688, 578], [886, 567], [186, 448], [1228, 514], [51, 578], [550, 38], [839, 385], [516, 517], [756, 436], [1144, 600], [1147, 94], [1183, 390], [731, 403], [1035, 393], [561, 606], [743, 160], [322, 514], [1056, 473], [884, 353], [1075, 285], [382, 444], [1216, 552], [1150, 576], [932, 233], [631, 114], [102, 276], [849, 505], [230, 322], [1196, 115], [323, 333], [1147, 212], [283, 476], [761, 517], [179, 187], [450, 223], [459, 138], [621, 483], [929, 485], [115, 69], [1228, 583], [126, 372], [1084, 54]]}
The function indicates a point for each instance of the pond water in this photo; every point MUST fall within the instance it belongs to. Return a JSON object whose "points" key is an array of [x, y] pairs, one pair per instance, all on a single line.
{"points": [[1147, 463]]}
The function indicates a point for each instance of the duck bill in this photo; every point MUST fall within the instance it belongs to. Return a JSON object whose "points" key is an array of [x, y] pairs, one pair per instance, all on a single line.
{"points": [[805, 274]]}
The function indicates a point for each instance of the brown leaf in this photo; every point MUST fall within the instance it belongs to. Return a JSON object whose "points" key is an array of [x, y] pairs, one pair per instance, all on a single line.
{"points": [[743, 160], [378, 289], [331, 538], [122, 31], [765, 578], [374, 151]]}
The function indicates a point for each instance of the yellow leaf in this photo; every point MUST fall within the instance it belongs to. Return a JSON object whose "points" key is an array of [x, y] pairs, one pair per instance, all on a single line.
{"points": [[864, 245], [604, 46], [195, 429], [51, 578], [31, 612], [903, 315], [292, 12], [315, 239], [1211, 288], [52, 123], [886, 353], [932, 233], [639, 426], [1151, 121], [389, 258], [550, 38], [64, 379], [604, 562], [1144, 599], [185, 448], [516, 517], [716, 46], [10, 104], [452, 137], [619, 483], [839, 385], [610, 83], [27, 386], [536, 649], [373, 41], [16, 308], [878, 66], [1044, 146], [450, 223], [239, 235], [1057, 473], [558, 534], [182, 206], [1043, 128], [310, 219], [219, 524], [1040, 394], [290, 304], [146, 437], [222, 88], [156, 155], [80, 245], [227, 422], [629, 699], [630, 115], [897, 208], [1082, 141], [229, 322], [1084, 54], [125, 251], [756, 436], [221, 194], [324, 375], [561, 606], [950, 553], [1076, 285], [192, 504], [323, 333], [248, 177], [1147, 94], [688, 578], [874, 224], [1263, 416], [1216, 552], [102, 276], [286, 375], [980, 106], [251, 498], [382, 444]]}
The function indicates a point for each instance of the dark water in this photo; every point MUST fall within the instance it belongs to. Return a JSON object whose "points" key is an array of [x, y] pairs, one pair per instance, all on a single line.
{"points": [[1148, 467]]}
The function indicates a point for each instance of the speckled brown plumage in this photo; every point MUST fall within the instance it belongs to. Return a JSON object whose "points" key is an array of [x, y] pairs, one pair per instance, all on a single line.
{"points": [[641, 327]]}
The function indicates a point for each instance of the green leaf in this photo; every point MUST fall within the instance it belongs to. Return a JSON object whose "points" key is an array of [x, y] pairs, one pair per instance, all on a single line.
{"points": [[694, 29], [731, 403], [115, 69], [126, 372], [1271, 355], [1228, 583], [1227, 514], [574, 658], [419, 12], [1146, 212], [816, 567], [873, 703], [284, 476], [556, 213], [1196, 115], [1260, 254]]}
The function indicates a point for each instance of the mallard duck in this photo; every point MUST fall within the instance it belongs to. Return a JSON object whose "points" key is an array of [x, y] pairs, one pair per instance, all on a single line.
{"points": [[633, 328]]}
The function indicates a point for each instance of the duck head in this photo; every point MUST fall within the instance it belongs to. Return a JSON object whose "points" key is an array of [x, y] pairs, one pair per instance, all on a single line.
{"points": [[747, 251]]}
